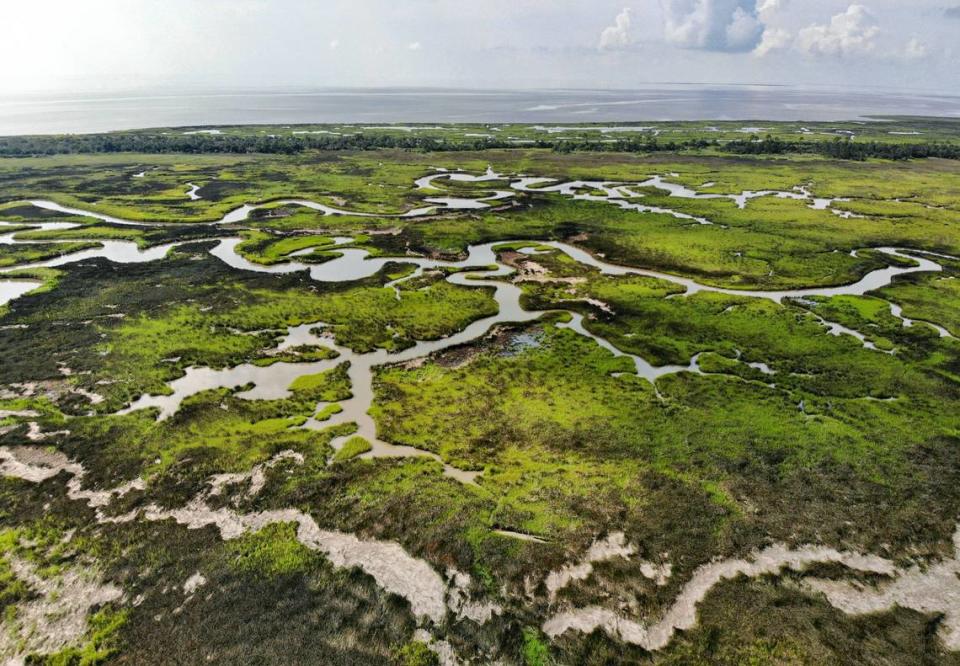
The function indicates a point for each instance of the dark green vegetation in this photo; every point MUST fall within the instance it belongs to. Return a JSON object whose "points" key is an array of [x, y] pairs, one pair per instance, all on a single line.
{"points": [[887, 138], [13, 255], [126, 330], [790, 435]]}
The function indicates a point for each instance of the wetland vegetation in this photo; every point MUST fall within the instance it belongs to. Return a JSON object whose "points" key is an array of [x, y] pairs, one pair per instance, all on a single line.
{"points": [[423, 397]]}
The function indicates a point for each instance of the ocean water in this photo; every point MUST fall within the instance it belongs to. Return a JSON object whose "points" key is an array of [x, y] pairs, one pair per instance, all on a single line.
{"points": [[45, 114]]}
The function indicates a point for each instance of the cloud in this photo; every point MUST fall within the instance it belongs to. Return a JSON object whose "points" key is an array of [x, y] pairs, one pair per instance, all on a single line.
{"points": [[414, 46], [774, 39], [743, 31], [767, 7], [852, 32], [334, 44], [714, 25], [915, 50], [617, 36], [952, 12]]}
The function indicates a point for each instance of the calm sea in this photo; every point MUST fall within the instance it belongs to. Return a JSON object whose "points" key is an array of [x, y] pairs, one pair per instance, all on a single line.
{"points": [[40, 114]]}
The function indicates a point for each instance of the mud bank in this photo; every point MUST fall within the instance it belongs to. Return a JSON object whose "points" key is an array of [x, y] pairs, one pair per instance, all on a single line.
{"points": [[682, 614], [388, 563]]}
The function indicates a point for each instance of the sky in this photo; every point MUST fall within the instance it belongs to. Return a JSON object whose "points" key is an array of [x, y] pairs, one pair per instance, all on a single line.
{"points": [[112, 45]]}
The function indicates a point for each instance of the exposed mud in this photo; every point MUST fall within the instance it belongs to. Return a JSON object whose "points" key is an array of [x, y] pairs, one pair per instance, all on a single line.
{"points": [[682, 614], [257, 477], [446, 655], [459, 601], [57, 617], [36, 465], [388, 563], [615, 545], [194, 583], [932, 589]]}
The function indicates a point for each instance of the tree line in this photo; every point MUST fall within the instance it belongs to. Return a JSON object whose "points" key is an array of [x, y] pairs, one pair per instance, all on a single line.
{"points": [[846, 149], [134, 142]]}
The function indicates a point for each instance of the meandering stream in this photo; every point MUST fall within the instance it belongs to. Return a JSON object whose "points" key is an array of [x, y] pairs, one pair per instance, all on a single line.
{"points": [[395, 570], [614, 192], [354, 263]]}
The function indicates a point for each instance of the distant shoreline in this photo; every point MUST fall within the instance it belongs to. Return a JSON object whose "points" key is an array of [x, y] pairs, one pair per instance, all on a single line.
{"points": [[95, 113]]}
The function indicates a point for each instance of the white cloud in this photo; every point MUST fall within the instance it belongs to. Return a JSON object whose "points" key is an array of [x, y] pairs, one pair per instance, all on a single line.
{"points": [[334, 44], [774, 39], [617, 36], [915, 50], [414, 46], [496, 43], [713, 25], [852, 32], [767, 7], [743, 30]]}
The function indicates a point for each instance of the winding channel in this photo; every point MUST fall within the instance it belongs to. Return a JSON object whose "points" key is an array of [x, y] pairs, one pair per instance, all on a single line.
{"points": [[272, 382], [429, 594], [614, 192]]}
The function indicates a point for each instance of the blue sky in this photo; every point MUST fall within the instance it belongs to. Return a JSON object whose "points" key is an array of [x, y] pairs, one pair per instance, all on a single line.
{"points": [[66, 45]]}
